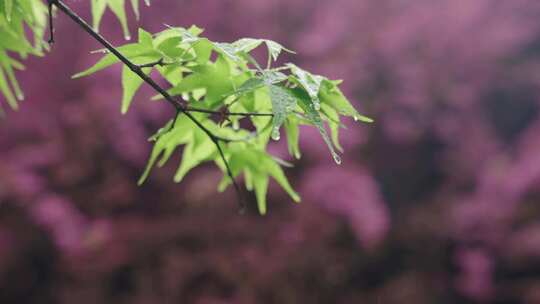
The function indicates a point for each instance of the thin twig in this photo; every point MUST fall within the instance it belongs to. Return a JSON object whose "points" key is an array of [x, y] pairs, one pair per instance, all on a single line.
{"points": [[179, 107], [242, 205], [51, 25], [174, 120]]}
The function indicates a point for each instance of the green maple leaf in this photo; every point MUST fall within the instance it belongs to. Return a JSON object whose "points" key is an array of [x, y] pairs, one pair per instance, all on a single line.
{"points": [[313, 116], [283, 103]]}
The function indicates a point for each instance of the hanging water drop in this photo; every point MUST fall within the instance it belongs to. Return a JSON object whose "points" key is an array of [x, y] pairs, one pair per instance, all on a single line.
{"points": [[127, 37], [275, 134], [20, 96], [355, 118], [147, 2], [317, 106], [337, 158]]}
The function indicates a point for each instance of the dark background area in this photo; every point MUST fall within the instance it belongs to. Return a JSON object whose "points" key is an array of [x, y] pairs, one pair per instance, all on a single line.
{"points": [[437, 202]]}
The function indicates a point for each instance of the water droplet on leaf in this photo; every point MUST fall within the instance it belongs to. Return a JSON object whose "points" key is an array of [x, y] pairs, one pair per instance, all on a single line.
{"points": [[275, 134], [127, 37], [337, 158]]}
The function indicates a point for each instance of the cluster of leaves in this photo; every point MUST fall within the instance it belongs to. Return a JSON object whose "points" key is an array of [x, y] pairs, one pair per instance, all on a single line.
{"points": [[15, 17], [212, 76], [18, 15], [118, 9], [225, 78]]}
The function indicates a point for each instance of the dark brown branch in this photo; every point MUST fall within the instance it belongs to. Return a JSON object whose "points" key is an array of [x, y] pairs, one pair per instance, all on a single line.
{"points": [[179, 107], [51, 25]]}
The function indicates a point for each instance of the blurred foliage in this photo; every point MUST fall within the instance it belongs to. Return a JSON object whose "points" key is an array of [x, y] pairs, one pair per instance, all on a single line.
{"points": [[16, 16], [118, 8]]}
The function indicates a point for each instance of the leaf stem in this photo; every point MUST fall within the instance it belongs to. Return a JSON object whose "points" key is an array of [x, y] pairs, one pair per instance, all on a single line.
{"points": [[247, 114], [159, 62]]}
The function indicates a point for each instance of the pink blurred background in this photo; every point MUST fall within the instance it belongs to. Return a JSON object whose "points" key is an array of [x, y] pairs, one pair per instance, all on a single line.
{"points": [[437, 202]]}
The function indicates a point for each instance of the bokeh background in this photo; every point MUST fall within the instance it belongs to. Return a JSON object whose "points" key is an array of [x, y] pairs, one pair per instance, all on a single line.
{"points": [[437, 202]]}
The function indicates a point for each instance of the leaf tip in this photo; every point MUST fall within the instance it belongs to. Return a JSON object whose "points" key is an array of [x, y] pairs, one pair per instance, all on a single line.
{"points": [[363, 118], [262, 210]]}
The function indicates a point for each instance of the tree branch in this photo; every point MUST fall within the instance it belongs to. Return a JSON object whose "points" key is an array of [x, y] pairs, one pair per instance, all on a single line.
{"points": [[179, 107], [51, 25]]}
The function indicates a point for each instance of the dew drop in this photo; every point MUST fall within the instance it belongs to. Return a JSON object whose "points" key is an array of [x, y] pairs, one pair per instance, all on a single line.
{"points": [[275, 134], [356, 118], [317, 106], [20, 96], [236, 126], [147, 2], [127, 37], [337, 159]]}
